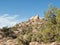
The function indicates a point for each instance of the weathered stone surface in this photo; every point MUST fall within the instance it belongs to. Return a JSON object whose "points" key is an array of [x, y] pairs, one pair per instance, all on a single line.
{"points": [[34, 17], [8, 42], [34, 43], [11, 42]]}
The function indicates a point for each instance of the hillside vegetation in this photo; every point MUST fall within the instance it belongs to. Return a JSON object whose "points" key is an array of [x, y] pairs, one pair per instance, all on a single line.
{"points": [[35, 31]]}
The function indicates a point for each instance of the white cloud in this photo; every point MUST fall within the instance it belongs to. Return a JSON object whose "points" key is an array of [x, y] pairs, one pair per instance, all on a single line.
{"points": [[8, 20]]}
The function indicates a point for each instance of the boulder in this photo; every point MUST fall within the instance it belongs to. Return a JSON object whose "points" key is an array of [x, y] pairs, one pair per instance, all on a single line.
{"points": [[34, 43], [34, 17]]}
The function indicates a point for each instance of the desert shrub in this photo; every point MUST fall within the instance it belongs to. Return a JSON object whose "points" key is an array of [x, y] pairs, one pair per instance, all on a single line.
{"points": [[8, 32]]}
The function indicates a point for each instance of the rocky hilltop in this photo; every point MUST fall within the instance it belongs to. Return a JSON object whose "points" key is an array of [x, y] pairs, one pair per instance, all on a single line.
{"points": [[32, 23], [25, 33]]}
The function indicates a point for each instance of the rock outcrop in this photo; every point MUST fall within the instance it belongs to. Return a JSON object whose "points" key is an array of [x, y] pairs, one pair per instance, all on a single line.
{"points": [[31, 25], [34, 43], [34, 21], [6, 41], [34, 17]]}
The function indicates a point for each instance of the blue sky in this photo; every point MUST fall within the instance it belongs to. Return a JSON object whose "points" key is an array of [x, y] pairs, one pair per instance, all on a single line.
{"points": [[15, 11]]}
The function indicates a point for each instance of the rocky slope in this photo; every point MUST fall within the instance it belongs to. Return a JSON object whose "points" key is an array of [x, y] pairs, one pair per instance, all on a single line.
{"points": [[22, 31], [34, 22]]}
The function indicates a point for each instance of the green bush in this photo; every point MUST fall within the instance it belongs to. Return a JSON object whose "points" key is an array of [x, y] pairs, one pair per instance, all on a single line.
{"points": [[49, 32]]}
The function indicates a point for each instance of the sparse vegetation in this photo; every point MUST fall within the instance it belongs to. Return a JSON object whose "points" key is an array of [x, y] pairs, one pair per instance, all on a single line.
{"points": [[47, 30], [50, 30]]}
